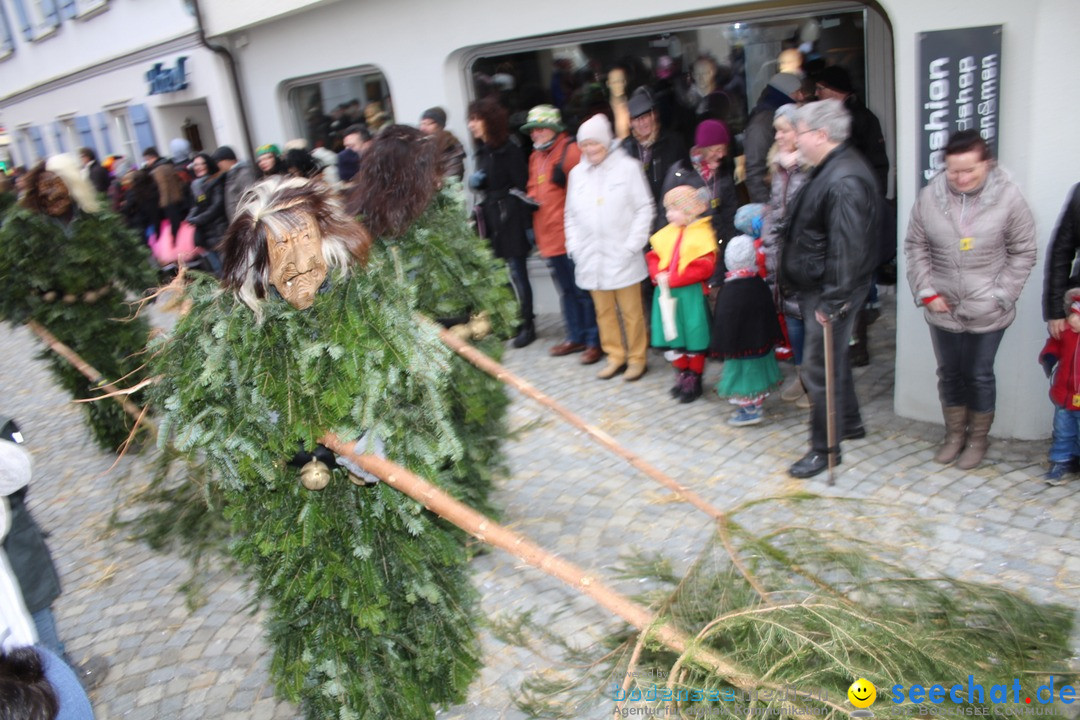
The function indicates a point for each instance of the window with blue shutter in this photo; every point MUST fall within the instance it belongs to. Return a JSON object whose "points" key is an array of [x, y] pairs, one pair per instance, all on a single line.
{"points": [[69, 9], [7, 40], [58, 133], [144, 131], [39, 142], [26, 158], [24, 19], [86, 135], [50, 13], [103, 129]]}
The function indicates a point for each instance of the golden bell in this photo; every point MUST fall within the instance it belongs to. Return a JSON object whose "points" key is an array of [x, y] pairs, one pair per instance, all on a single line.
{"points": [[315, 475]]}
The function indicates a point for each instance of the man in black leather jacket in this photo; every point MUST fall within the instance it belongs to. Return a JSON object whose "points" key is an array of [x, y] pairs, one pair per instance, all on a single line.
{"points": [[1060, 257], [829, 254]]}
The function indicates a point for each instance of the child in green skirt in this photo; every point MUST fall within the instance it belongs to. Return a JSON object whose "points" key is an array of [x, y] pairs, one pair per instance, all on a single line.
{"points": [[682, 258], [745, 331]]}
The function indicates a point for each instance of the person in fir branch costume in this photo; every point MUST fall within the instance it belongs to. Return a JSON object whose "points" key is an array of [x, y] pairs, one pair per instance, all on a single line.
{"points": [[370, 609], [418, 219], [71, 266]]}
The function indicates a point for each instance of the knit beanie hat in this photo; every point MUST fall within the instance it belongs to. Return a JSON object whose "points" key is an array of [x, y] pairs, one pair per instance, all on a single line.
{"points": [[740, 253], [180, 150], [597, 128], [268, 149], [748, 219], [543, 116], [711, 132], [690, 200], [436, 115], [223, 153], [786, 83], [836, 78]]}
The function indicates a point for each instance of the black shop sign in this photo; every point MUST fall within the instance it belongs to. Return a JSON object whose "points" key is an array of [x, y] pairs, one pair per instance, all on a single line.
{"points": [[959, 89]]}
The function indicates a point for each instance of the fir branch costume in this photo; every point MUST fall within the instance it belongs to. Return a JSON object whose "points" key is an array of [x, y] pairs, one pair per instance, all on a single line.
{"points": [[371, 611], [73, 278], [454, 275]]}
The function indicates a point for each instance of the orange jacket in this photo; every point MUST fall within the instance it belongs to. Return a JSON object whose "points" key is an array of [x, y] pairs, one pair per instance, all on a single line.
{"points": [[548, 218]]}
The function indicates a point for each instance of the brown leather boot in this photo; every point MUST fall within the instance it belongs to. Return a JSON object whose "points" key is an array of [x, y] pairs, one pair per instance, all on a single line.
{"points": [[978, 428], [955, 431]]}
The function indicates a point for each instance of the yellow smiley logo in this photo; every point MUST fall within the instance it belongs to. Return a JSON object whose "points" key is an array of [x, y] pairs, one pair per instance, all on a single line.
{"points": [[862, 693]]}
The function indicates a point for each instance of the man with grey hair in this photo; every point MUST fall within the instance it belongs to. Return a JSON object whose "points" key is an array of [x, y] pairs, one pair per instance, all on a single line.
{"points": [[828, 257]]}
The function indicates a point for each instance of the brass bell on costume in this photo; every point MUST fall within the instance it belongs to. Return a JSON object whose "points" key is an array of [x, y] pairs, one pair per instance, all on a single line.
{"points": [[315, 475]]}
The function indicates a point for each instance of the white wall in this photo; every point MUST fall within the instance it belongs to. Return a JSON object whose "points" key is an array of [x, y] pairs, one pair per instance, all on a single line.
{"points": [[419, 45]]}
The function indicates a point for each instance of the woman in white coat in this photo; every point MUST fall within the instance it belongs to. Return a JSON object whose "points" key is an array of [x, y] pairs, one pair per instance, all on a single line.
{"points": [[609, 211]]}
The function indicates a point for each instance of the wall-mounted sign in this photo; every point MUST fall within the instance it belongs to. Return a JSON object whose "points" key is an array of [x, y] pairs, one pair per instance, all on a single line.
{"points": [[959, 89], [167, 80]]}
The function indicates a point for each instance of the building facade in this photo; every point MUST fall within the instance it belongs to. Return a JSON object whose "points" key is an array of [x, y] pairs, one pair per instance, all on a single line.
{"points": [[116, 76]]}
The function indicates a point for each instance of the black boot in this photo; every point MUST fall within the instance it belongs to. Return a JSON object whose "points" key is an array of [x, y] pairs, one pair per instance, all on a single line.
{"points": [[691, 387], [526, 334]]}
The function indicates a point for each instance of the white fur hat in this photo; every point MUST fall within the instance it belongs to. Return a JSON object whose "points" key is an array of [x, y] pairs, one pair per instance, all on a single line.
{"points": [[597, 128]]}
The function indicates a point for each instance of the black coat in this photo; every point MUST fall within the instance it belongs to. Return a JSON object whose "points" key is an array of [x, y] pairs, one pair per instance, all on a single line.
{"points": [[1061, 259], [833, 231], [868, 139], [208, 215], [502, 218], [30, 560], [667, 151]]}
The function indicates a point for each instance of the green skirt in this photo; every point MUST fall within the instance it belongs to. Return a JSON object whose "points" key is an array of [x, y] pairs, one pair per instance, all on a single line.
{"points": [[746, 380], [691, 320]]}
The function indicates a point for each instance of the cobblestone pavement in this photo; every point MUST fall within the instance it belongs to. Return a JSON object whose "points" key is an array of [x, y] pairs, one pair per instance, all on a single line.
{"points": [[122, 600]]}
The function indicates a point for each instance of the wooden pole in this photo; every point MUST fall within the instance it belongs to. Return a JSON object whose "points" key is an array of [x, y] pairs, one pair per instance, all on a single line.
{"points": [[491, 532], [85, 368]]}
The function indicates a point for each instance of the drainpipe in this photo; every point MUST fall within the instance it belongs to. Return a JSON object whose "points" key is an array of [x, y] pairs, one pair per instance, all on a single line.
{"points": [[230, 61]]}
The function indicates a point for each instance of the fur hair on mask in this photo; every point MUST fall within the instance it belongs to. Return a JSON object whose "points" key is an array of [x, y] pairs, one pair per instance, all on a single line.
{"points": [[68, 168], [398, 178], [277, 206]]}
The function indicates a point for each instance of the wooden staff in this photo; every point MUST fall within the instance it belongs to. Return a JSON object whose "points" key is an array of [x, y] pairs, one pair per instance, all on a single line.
{"points": [[501, 373], [86, 369], [830, 399]]}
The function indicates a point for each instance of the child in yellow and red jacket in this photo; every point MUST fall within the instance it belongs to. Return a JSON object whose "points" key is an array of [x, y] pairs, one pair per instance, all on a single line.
{"points": [[683, 256], [1064, 352]]}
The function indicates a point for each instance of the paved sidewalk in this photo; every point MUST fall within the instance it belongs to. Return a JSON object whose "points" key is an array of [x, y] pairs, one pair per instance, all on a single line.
{"points": [[996, 524]]}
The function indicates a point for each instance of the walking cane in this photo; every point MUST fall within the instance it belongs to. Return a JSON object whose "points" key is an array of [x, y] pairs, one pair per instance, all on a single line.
{"points": [[830, 399]]}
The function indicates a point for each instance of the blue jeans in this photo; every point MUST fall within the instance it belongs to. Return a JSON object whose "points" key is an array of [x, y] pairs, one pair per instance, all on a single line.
{"points": [[577, 305], [966, 368], [46, 630], [1066, 443], [796, 331]]}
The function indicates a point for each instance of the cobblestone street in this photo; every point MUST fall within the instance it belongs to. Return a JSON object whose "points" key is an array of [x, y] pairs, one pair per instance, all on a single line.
{"points": [[997, 524]]}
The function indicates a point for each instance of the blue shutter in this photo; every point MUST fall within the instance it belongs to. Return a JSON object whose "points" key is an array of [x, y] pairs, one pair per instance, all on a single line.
{"points": [[58, 132], [144, 131], [24, 19], [26, 158], [86, 135], [39, 143], [69, 9], [48, 9], [6, 41], [106, 139]]}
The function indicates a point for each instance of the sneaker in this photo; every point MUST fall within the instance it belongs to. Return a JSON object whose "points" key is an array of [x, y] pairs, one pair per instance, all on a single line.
{"points": [[1057, 472], [745, 415]]}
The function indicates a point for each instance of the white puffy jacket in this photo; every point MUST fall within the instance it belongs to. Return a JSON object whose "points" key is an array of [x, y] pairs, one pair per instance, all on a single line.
{"points": [[609, 212]]}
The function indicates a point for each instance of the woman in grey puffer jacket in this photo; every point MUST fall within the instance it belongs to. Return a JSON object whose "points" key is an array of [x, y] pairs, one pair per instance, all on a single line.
{"points": [[970, 247]]}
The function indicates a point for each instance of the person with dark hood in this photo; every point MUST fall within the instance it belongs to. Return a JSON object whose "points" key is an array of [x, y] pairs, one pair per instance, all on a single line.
{"points": [[782, 89], [239, 176], [98, 175]]}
